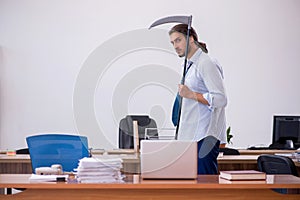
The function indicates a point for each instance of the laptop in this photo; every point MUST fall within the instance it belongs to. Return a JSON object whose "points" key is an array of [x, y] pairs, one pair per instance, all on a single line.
{"points": [[168, 159]]}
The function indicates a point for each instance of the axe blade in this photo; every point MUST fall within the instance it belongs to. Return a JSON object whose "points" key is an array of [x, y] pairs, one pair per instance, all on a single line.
{"points": [[172, 19]]}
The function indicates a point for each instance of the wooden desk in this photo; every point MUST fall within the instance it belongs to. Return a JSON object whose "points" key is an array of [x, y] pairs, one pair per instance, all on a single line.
{"points": [[206, 187], [236, 162], [21, 164], [266, 151]]}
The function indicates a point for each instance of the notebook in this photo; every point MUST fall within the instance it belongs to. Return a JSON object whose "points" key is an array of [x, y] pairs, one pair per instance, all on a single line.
{"points": [[243, 175], [168, 159]]}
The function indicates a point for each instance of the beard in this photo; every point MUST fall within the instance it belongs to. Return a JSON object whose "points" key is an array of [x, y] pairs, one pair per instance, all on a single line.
{"points": [[180, 53]]}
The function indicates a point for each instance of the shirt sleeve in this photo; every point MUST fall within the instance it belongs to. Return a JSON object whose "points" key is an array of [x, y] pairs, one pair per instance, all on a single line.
{"points": [[213, 80]]}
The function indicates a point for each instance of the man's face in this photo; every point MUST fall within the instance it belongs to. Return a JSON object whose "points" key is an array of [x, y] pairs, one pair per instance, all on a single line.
{"points": [[178, 41]]}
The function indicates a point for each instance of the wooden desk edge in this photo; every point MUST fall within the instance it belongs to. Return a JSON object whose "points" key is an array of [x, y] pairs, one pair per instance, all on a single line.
{"points": [[203, 182]]}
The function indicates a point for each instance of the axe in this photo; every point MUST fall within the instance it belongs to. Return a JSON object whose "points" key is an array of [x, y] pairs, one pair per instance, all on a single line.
{"points": [[184, 20]]}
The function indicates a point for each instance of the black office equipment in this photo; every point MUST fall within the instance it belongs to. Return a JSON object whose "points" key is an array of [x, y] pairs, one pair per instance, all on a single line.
{"points": [[286, 132], [258, 148], [274, 164], [126, 129], [229, 151], [22, 151]]}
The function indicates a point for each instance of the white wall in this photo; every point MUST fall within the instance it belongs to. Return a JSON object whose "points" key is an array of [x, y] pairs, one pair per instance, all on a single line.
{"points": [[52, 80]]}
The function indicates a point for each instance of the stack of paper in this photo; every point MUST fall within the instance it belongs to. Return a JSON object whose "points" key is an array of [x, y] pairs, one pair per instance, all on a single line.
{"points": [[94, 170]]}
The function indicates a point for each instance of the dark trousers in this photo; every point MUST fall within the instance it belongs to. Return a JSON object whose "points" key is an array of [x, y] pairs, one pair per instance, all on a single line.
{"points": [[208, 151]]}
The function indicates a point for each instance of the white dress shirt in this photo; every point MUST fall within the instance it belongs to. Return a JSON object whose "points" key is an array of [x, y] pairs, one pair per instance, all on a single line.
{"points": [[205, 76]]}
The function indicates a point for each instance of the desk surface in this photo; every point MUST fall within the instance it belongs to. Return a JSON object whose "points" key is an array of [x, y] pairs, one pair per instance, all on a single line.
{"points": [[206, 187], [21, 164], [25, 158], [13, 159], [134, 159], [134, 181], [264, 151], [243, 159], [238, 159]]}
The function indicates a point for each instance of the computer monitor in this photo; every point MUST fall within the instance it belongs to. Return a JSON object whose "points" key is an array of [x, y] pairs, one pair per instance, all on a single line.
{"points": [[286, 132]]}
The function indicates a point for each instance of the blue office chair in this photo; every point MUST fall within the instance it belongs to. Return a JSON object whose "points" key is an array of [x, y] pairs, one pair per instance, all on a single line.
{"points": [[48, 149]]}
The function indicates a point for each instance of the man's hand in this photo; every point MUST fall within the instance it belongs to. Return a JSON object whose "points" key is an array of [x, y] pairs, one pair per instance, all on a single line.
{"points": [[185, 92]]}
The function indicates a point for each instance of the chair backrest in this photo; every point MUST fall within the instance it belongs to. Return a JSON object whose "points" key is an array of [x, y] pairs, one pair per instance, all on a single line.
{"points": [[229, 151], [126, 129], [274, 164], [48, 149]]}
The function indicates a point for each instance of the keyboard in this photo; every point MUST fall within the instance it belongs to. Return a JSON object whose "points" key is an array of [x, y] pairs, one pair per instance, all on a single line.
{"points": [[259, 148]]}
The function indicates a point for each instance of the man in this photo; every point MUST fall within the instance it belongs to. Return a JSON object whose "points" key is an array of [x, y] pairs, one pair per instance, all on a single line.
{"points": [[204, 99]]}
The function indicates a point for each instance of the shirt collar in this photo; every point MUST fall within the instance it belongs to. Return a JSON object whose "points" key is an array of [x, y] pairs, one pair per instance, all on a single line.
{"points": [[196, 56]]}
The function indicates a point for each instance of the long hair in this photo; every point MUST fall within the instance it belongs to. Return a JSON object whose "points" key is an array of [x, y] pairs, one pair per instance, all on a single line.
{"points": [[183, 28]]}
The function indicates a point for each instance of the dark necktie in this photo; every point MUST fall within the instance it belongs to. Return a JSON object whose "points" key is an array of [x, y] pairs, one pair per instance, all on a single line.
{"points": [[175, 109]]}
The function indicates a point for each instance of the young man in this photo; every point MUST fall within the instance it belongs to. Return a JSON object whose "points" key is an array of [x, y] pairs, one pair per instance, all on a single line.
{"points": [[204, 99]]}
